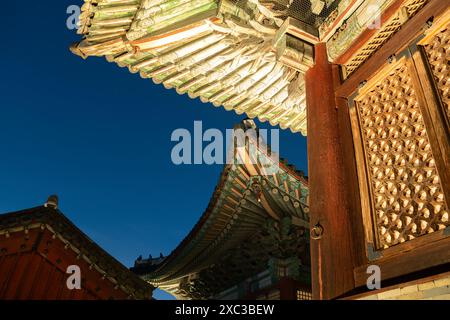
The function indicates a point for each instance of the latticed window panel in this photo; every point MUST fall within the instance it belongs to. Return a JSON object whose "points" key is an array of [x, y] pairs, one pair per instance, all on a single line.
{"points": [[304, 295], [384, 34], [405, 188], [438, 56]]}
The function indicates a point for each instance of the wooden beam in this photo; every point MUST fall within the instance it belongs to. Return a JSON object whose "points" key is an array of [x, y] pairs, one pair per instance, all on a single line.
{"points": [[332, 257], [426, 256]]}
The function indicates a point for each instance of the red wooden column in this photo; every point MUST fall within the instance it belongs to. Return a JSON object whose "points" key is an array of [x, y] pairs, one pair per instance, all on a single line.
{"points": [[287, 287], [331, 256]]}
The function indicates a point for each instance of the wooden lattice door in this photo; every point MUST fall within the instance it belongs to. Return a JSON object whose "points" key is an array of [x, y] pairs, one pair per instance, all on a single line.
{"points": [[400, 124]]}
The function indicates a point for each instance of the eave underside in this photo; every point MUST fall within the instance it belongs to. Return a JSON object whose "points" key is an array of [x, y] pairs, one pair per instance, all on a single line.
{"points": [[235, 55], [247, 56]]}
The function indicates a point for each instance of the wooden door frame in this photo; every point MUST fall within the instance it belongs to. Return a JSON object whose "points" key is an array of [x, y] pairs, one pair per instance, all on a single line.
{"points": [[427, 251], [339, 255]]}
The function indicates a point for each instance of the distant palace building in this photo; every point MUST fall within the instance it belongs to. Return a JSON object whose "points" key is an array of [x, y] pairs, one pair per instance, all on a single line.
{"points": [[252, 242], [366, 80], [38, 245]]}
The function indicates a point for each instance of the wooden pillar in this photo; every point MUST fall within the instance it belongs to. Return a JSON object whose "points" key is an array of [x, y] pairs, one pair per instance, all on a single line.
{"points": [[287, 289], [332, 256]]}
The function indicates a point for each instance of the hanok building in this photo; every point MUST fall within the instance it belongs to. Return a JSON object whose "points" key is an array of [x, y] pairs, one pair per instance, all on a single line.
{"points": [[252, 241], [366, 80], [37, 247]]}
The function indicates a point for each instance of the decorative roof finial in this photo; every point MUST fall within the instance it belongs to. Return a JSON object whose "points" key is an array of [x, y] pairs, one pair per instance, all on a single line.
{"points": [[52, 202]]}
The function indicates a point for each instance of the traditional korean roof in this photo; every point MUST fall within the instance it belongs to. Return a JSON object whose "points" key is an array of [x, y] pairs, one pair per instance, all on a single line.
{"points": [[251, 218], [49, 218], [247, 56]]}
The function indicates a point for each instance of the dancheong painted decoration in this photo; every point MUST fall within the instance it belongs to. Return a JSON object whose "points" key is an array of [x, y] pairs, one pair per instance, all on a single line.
{"points": [[253, 237], [366, 80], [247, 56], [368, 83]]}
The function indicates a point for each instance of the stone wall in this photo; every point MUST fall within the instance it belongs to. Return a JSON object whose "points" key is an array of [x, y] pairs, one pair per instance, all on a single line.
{"points": [[426, 289]]}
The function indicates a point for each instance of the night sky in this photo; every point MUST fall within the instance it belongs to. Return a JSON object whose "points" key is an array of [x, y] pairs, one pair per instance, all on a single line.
{"points": [[99, 138]]}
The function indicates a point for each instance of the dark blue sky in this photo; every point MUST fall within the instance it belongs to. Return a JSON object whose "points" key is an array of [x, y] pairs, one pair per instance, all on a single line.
{"points": [[99, 137]]}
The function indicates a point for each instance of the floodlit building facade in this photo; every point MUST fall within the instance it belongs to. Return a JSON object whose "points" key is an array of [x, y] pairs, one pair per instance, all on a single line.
{"points": [[367, 81]]}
